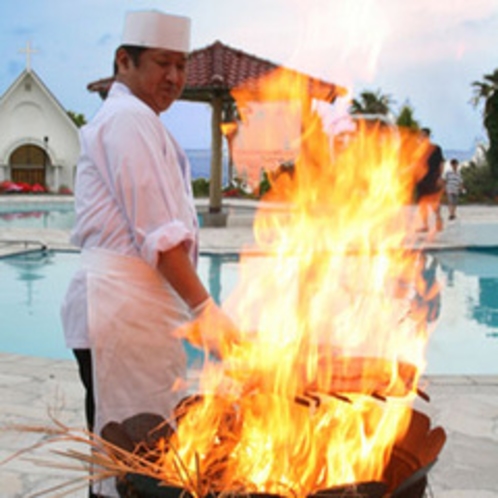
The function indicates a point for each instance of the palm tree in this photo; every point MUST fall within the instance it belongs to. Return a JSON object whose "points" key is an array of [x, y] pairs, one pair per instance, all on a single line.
{"points": [[370, 102], [487, 90]]}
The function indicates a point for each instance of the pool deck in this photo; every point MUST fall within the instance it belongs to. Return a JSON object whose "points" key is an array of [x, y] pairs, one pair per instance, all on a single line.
{"points": [[31, 388]]}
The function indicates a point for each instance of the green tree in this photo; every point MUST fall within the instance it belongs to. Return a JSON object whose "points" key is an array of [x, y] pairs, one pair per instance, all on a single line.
{"points": [[406, 118], [370, 102], [78, 119], [487, 91]]}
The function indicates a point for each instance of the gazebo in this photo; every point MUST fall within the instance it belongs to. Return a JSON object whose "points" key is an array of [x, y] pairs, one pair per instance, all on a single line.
{"points": [[213, 72]]}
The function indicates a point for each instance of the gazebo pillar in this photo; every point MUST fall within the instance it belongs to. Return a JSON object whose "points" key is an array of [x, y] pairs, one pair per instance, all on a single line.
{"points": [[215, 217]]}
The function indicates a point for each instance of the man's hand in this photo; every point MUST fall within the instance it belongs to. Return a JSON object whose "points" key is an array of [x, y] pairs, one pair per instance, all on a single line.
{"points": [[211, 328]]}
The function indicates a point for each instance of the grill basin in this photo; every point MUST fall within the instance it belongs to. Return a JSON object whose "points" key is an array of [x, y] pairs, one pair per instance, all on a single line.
{"points": [[405, 475]]}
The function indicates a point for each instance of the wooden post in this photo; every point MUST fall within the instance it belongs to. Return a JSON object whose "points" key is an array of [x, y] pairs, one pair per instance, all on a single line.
{"points": [[216, 157], [215, 217]]}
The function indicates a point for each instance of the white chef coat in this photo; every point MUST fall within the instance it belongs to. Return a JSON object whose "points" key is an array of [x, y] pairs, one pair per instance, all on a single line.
{"points": [[133, 201], [133, 195]]}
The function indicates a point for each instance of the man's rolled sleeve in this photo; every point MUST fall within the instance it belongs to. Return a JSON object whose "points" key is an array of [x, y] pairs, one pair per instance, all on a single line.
{"points": [[165, 238]]}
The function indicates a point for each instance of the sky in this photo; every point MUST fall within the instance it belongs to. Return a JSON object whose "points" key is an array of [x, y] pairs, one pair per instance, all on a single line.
{"points": [[425, 53]]}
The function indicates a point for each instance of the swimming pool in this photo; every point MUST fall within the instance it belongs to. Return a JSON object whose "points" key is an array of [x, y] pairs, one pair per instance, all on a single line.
{"points": [[464, 341], [46, 214]]}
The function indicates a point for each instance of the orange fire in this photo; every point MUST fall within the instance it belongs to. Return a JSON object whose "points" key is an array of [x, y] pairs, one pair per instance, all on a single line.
{"points": [[320, 389]]}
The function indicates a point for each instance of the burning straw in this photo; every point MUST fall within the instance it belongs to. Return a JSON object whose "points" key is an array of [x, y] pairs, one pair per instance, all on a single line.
{"points": [[98, 459]]}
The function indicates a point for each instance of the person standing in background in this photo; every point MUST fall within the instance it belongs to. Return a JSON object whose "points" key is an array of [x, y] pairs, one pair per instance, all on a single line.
{"points": [[454, 187], [429, 187], [136, 224]]}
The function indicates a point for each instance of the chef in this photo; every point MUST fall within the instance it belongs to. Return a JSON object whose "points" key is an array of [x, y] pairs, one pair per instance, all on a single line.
{"points": [[136, 225]]}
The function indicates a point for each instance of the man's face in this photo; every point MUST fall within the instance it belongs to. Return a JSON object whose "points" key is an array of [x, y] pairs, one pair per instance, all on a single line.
{"points": [[158, 79]]}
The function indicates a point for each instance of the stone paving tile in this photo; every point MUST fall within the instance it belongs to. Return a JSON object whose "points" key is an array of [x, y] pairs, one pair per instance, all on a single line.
{"points": [[467, 409], [33, 391]]}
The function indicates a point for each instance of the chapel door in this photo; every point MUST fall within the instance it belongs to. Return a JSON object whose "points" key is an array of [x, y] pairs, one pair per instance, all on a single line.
{"points": [[28, 164]]}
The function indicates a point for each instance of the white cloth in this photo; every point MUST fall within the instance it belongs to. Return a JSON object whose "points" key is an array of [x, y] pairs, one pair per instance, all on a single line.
{"points": [[139, 365], [133, 195], [154, 29]]}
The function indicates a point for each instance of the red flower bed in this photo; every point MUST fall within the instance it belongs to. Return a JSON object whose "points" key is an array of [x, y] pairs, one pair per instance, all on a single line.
{"points": [[9, 187]]}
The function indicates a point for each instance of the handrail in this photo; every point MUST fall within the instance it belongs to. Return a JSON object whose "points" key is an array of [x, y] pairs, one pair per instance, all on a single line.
{"points": [[24, 242]]}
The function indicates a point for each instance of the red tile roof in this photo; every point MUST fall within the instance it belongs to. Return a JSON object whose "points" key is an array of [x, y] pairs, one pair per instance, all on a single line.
{"points": [[218, 68]]}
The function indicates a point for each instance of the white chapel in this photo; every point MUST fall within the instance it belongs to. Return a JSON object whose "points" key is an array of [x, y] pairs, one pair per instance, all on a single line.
{"points": [[38, 140]]}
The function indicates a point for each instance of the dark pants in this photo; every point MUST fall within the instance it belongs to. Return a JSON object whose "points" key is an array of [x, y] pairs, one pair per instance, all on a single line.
{"points": [[84, 359]]}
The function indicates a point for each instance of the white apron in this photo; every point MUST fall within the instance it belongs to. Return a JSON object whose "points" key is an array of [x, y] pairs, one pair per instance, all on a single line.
{"points": [[137, 362]]}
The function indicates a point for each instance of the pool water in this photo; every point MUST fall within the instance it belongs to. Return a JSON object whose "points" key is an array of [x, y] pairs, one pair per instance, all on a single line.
{"points": [[46, 214], [58, 215], [464, 340]]}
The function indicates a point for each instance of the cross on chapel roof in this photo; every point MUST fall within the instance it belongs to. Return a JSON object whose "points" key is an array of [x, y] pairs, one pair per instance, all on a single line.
{"points": [[28, 51]]}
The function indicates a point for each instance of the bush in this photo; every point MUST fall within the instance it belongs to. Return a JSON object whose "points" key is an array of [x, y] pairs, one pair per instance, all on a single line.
{"points": [[264, 185], [480, 184], [200, 187], [238, 188]]}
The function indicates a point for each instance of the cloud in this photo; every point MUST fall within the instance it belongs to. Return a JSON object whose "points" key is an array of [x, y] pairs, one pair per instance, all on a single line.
{"points": [[427, 51], [425, 29]]}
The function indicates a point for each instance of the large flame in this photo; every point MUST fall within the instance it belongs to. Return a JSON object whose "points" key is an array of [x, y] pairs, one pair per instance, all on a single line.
{"points": [[320, 391]]}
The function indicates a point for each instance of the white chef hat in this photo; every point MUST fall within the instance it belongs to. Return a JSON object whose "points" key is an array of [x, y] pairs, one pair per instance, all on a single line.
{"points": [[154, 29]]}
